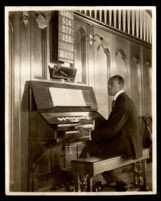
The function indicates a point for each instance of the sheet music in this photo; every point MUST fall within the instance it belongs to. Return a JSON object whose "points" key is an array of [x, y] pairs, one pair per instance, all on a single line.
{"points": [[67, 97]]}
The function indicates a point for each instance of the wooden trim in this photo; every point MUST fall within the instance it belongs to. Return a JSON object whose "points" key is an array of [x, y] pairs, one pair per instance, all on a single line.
{"points": [[142, 77], [11, 103], [111, 30], [44, 53]]}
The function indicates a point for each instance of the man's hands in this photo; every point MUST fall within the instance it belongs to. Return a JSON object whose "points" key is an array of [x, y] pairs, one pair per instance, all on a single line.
{"points": [[84, 130]]}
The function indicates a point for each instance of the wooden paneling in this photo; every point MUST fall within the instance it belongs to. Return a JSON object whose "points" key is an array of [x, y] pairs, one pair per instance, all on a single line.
{"points": [[80, 48], [9, 112], [91, 68], [16, 165], [28, 61], [94, 68], [38, 50], [147, 81], [24, 76], [120, 55], [47, 157], [102, 67], [135, 76]]}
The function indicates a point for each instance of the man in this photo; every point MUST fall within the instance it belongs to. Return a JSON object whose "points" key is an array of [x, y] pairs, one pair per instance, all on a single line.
{"points": [[120, 134]]}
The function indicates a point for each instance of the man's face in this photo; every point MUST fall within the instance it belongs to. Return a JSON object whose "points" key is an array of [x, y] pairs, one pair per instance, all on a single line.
{"points": [[113, 87]]}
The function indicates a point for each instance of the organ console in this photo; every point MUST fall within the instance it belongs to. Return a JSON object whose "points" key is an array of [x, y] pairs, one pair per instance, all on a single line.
{"points": [[56, 111]]}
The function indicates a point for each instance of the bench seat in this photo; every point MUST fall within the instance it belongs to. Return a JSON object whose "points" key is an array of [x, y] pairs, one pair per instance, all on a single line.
{"points": [[92, 166]]}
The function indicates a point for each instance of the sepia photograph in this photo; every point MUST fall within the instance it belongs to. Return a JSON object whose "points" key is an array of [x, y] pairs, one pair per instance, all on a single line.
{"points": [[80, 100]]}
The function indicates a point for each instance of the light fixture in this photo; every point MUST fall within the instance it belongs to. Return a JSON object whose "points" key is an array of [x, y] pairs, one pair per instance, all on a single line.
{"points": [[40, 18], [92, 39]]}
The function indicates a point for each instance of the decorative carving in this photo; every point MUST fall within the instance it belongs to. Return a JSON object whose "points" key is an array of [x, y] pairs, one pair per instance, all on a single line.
{"points": [[25, 18], [83, 33], [10, 26], [92, 39], [122, 54], [147, 63], [136, 59], [139, 174], [40, 18], [83, 183]]}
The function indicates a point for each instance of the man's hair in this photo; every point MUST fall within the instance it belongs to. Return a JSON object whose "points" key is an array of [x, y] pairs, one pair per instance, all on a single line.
{"points": [[119, 79]]}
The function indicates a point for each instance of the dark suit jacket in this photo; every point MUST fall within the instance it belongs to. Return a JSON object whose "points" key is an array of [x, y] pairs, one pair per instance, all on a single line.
{"points": [[120, 134]]}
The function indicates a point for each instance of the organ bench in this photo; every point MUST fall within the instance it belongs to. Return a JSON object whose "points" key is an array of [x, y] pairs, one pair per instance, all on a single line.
{"points": [[83, 169]]}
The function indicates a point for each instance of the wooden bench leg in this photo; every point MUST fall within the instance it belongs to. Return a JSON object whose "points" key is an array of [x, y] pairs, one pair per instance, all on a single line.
{"points": [[144, 174], [77, 183], [89, 184], [140, 179]]}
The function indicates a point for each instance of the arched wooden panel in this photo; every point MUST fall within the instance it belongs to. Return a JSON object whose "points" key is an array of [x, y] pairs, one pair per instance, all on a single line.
{"points": [[38, 50], [119, 63], [80, 46], [102, 71]]}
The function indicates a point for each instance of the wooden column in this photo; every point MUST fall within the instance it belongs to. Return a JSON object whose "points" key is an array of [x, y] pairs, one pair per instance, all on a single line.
{"points": [[95, 14], [144, 26], [100, 15], [124, 20], [115, 18], [105, 16], [141, 23], [133, 22], [128, 21], [89, 184], [119, 19], [137, 23], [110, 17], [90, 13]]}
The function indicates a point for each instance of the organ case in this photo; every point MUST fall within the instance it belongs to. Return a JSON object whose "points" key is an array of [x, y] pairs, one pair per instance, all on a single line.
{"points": [[56, 111]]}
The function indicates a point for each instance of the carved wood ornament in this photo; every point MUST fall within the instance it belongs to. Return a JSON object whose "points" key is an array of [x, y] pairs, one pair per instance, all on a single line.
{"points": [[122, 54], [136, 59]]}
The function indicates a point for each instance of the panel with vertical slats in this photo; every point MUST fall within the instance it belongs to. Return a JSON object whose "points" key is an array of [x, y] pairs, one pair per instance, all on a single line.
{"points": [[137, 23]]}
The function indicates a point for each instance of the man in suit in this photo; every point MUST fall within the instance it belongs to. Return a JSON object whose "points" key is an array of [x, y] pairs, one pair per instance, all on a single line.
{"points": [[119, 135]]}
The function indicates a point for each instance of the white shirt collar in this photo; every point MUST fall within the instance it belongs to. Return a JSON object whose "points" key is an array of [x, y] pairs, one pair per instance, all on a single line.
{"points": [[117, 94]]}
